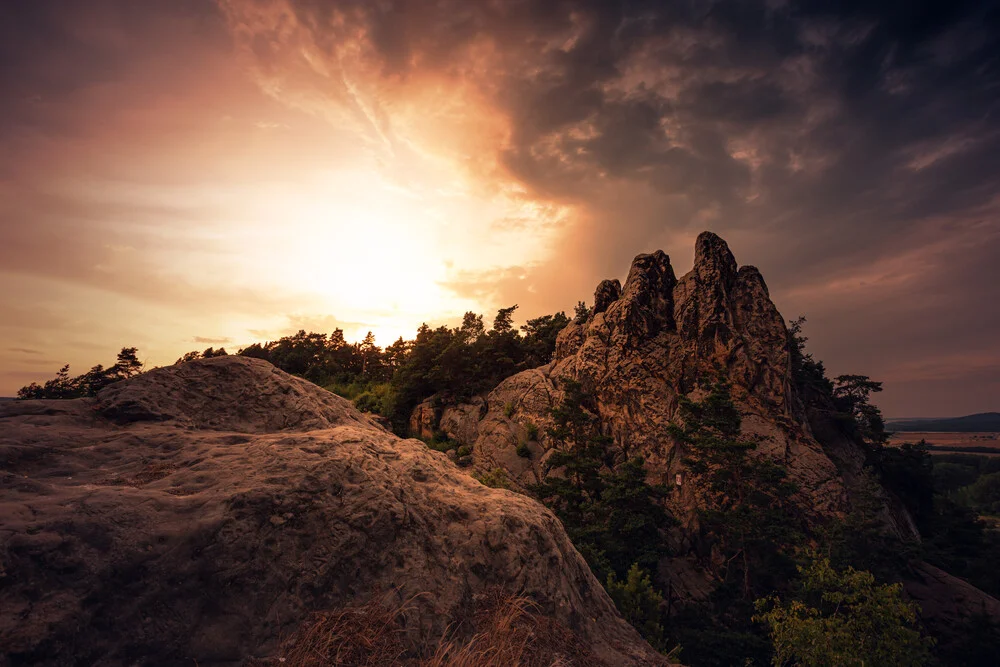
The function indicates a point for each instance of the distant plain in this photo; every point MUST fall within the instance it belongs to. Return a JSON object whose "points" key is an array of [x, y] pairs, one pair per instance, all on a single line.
{"points": [[980, 442]]}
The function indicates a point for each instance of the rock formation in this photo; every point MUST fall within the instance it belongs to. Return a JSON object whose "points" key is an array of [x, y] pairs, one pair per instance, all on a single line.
{"points": [[196, 514], [651, 341]]}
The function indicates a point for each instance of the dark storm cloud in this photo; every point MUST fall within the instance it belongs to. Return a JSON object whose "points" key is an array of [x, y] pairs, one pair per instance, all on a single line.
{"points": [[51, 50], [852, 147], [849, 149]]}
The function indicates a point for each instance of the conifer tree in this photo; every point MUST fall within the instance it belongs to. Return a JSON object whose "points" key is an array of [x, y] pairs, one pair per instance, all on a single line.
{"points": [[745, 510]]}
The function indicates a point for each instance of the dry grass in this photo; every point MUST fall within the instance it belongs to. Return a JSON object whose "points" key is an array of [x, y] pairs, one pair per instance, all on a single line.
{"points": [[505, 631], [509, 630], [363, 636]]}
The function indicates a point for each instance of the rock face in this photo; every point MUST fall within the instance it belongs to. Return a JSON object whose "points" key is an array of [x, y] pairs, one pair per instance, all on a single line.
{"points": [[649, 342], [196, 514]]}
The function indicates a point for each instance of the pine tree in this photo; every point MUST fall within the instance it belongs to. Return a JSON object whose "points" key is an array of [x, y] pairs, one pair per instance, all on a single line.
{"points": [[612, 514], [746, 511]]}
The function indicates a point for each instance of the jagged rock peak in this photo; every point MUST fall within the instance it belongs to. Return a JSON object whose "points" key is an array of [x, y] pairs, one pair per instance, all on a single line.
{"points": [[647, 300], [750, 275], [607, 293], [650, 274], [713, 260]]}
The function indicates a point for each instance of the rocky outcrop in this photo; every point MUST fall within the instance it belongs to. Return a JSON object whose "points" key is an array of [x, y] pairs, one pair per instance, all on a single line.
{"points": [[198, 513], [653, 340], [437, 417]]}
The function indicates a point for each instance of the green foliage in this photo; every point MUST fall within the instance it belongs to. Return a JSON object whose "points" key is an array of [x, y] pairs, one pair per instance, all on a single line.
{"points": [[495, 478], [851, 396], [523, 451], [508, 410], [581, 312], [843, 618], [320, 358], [948, 477], [456, 363], [539, 341], [461, 362], [640, 603], [367, 396], [532, 431], [958, 541], [746, 512], [612, 514], [368, 402], [205, 354], [442, 443], [983, 495], [954, 537], [808, 374], [464, 451], [126, 365]]}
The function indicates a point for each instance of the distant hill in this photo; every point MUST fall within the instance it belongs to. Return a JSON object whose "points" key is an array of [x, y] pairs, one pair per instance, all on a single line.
{"points": [[984, 421]]}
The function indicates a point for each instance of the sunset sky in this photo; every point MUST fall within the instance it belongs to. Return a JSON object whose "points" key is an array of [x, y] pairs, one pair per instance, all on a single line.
{"points": [[185, 173]]}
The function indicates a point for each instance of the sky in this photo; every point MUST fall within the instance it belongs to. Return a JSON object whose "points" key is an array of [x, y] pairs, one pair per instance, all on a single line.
{"points": [[178, 175]]}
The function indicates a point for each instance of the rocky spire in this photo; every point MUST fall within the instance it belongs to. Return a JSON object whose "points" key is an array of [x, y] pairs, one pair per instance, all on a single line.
{"points": [[713, 261], [648, 295], [607, 293]]}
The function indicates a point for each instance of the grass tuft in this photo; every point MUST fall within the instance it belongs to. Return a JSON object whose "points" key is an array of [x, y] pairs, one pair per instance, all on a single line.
{"points": [[505, 630]]}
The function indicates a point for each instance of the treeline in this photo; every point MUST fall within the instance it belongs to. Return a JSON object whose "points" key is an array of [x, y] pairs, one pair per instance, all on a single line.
{"points": [[63, 385], [454, 362], [969, 480]]}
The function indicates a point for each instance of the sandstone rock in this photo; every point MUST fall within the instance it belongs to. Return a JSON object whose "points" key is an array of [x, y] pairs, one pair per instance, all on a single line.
{"points": [[461, 422], [198, 513], [649, 343], [946, 601], [423, 420]]}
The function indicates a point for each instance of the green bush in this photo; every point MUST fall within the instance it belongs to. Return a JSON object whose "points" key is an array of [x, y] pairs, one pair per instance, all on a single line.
{"points": [[464, 450], [532, 431], [496, 478], [508, 410], [441, 443], [368, 402], [639, 603], [375, 397], [523, 451], [983, 495], [843, 617]]}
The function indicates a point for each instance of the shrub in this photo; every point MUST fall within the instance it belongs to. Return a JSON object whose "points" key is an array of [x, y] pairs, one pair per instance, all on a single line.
{"points": [[508, 410], [523, 451], [464, 450], [368, 402], [843, 618], [495, 478], [441, 443], [639, 603], [532, 431]]}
